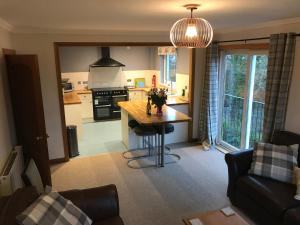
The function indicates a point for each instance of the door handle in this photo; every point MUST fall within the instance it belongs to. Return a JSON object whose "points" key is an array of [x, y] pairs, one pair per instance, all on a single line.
{"points": [[116, 96], [38, 138], [102, 106]]}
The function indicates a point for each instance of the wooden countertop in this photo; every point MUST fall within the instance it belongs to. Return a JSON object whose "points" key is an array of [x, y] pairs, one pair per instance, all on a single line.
{"points": [[87, 91], [145, 89], [137, 109], [176, 100], [71, 98]]}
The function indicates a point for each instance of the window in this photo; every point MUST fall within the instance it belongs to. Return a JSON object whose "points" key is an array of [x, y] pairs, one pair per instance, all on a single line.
{"points": [[242, 95], [168, 69]]}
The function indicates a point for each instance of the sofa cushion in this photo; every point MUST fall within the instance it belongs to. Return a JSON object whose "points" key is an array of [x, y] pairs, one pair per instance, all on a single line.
{"points": [[110, 221], [17, 203], [274, 161], [292, 217], [52, 208], [274, 196]]}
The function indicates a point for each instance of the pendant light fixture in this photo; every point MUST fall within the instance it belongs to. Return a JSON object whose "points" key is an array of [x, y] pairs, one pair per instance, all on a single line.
{"points": [[191, 32]]}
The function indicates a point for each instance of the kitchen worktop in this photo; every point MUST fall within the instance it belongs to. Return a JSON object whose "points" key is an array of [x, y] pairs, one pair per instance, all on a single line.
{"points": [[71, 98], [84, 91], [137, 110], [139, 89], [176, 100]]}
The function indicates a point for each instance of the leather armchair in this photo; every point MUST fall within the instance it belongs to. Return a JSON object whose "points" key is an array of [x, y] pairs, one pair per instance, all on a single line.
{"points": [[101, 204], [265, 200], [238, 164]]}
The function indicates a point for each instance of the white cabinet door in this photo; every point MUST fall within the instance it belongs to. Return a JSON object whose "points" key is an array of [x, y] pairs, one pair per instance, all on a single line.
{"points": [[86, 105], [73, 117], [144, 95], [135, 95]]}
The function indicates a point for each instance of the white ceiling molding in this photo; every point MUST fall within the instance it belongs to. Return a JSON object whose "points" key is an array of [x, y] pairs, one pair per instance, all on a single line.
{"points": [[30, 30], [5, 25], [272, 23]]}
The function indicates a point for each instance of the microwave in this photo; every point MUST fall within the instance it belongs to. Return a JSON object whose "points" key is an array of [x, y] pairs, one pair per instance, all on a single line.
{"points": [[68, 87]]}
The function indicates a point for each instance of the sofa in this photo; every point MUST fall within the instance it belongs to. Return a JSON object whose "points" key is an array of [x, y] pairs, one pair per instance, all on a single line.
{"points": [[264, 200], [101, 204]]}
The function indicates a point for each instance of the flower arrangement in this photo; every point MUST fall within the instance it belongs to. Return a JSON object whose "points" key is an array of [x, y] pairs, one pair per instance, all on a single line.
{"points": [[158, 98]]}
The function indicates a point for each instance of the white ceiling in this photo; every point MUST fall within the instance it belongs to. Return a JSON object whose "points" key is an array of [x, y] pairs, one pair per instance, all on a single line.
{"points": [[139, 15]]}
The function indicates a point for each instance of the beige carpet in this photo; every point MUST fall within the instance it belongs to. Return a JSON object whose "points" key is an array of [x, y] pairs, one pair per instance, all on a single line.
{"points": [[153, 196]]}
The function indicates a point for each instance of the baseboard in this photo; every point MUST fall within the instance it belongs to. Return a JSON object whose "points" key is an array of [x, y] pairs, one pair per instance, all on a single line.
{"points": [[194, 140], [58, 160]]}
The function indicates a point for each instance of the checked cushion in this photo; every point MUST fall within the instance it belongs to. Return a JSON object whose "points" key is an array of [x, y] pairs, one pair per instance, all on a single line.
{"points": [[53, 209], [274, 161]]}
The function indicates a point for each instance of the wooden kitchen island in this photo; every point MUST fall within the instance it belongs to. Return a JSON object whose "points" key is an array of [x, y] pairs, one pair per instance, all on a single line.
{"points": [[137, 110]]}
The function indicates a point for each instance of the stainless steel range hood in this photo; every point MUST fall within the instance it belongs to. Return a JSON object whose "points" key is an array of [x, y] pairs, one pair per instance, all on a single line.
{"points": [[106, 61]]}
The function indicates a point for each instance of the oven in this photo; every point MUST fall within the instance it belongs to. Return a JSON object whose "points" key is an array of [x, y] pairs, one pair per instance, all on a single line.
{"points": [[105, 103], [116, 110]]}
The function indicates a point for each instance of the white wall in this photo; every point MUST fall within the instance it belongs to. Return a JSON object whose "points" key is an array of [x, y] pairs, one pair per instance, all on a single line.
{"points": [[293, 115], [78, 58], [7, 132], [42, 45]]}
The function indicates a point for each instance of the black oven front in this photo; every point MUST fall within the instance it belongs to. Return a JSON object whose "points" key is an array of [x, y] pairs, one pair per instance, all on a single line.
{"points": [[105, 103], [116, 110]]}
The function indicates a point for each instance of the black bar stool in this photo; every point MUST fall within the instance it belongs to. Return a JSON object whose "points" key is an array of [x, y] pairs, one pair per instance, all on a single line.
{"points": [[149, 133], [169, 128], [133, 124]]}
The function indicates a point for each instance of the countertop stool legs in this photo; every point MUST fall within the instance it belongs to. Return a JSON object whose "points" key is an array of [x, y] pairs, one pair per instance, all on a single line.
{"points": [[162, 130], [148, 134]]}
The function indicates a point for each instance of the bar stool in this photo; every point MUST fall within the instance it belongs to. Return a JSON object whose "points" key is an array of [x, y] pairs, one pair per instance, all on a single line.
{"points": [[169, 128], [149, 133], [133, 124]]}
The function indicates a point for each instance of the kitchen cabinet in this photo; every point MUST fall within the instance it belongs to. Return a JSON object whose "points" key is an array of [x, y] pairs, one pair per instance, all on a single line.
{"points": [[73, 117], [86, 105], [137, 95]]}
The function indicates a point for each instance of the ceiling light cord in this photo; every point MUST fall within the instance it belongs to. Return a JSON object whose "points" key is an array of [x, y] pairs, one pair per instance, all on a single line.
{"points": [[192, 13]]}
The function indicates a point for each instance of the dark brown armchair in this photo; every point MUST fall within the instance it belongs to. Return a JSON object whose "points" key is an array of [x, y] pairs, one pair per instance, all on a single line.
{"points": [[265, 200], [101, 204]]}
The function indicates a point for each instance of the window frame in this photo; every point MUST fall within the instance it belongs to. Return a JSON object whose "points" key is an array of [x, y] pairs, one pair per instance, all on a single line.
{"points": [[165, 76], [248, 93]]}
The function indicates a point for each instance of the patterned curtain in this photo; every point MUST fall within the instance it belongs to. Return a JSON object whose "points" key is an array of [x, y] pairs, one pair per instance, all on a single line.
{"points": [[208, 127], [279, 74]]}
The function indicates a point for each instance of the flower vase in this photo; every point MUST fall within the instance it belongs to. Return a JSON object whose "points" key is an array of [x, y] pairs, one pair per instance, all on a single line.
{"points": [[159, 111]]}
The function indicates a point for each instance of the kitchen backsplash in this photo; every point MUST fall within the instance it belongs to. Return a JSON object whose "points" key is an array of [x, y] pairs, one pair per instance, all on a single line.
{"points": [[106, 77], [78, 79], [109, 77], [147, 74], [115, 77], [182, 81]]}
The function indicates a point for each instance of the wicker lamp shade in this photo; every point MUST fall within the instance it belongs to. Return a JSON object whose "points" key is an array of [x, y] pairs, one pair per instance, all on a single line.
{"points": [[191, 32]]}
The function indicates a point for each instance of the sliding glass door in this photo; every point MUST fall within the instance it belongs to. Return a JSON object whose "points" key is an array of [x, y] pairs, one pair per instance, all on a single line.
{"points": [[242, 93]]}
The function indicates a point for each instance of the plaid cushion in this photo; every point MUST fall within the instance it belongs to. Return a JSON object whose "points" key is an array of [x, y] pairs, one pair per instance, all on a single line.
{"points": [[274, 161], [53, 209]]}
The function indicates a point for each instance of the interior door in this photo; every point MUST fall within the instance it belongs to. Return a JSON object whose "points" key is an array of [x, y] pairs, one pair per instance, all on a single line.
{"points": [[25, 90]]}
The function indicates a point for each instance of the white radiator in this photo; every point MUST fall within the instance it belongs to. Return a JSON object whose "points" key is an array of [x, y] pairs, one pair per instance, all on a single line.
{"points": [[10, 176]]}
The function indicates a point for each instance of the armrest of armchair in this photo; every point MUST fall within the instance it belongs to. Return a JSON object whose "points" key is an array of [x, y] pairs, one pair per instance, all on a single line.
{"points": [[98, 203], [238, 164]]}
